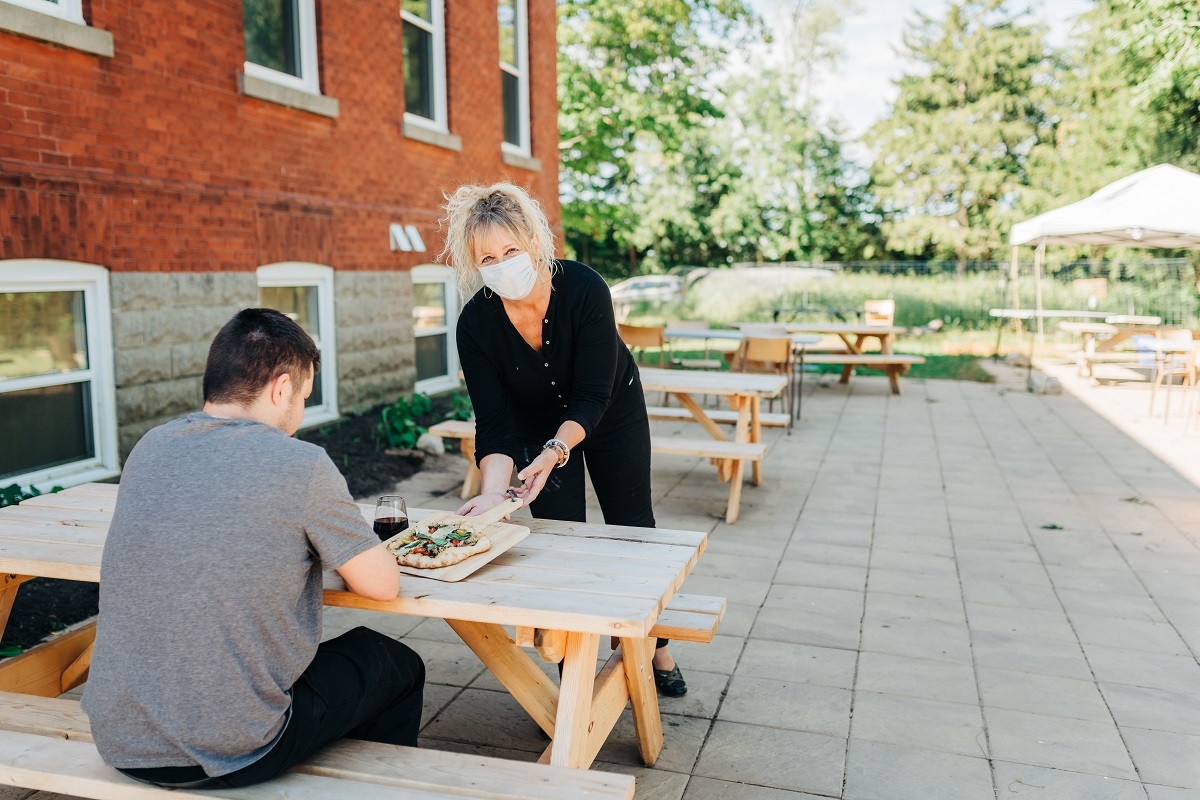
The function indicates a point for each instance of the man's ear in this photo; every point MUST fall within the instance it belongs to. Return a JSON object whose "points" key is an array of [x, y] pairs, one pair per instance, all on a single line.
{"points": [[279, 389]]}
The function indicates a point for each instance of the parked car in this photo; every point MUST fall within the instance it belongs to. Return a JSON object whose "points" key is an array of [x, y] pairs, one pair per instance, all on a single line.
{"points": [[655, 288]]}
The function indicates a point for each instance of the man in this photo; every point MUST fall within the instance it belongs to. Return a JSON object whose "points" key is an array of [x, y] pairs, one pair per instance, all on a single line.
{"points": [[207, 671]]}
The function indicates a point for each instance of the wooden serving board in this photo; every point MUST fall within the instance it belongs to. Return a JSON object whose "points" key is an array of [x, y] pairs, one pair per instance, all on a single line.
{"points": [[503, 535]]}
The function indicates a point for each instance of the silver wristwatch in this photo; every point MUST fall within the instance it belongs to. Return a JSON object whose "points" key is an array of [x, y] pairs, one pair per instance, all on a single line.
{"points": [[564, 452]]}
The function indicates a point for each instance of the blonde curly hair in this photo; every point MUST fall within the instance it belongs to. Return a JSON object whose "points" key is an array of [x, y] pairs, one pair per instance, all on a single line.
{"points": [[473, 211]]}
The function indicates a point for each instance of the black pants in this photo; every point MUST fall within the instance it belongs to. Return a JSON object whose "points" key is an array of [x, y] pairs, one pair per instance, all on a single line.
{"points": [[618, 462], [361, 685]]}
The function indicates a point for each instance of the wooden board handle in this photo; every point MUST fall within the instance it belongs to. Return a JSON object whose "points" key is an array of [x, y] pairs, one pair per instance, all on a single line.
{"points": [[496, 513]]}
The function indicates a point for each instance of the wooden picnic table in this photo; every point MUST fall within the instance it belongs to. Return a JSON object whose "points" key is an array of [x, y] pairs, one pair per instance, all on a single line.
{"points": [[743, 390], [563, 588], [853, 335]]}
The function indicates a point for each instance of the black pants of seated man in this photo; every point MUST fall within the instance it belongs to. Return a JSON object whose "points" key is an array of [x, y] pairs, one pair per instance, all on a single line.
{"points": [[361, 685]]}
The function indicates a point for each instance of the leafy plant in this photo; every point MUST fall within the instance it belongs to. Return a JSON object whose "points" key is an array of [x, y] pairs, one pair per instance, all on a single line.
{"points": [[13, 494], [460, 407], [398, 426]]}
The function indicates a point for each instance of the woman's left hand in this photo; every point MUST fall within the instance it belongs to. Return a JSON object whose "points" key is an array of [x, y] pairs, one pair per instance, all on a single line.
{"points": [[536, 474]]}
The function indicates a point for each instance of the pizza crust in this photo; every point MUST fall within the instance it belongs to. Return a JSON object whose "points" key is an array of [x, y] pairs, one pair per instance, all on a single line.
{"points": [[448, 556]]}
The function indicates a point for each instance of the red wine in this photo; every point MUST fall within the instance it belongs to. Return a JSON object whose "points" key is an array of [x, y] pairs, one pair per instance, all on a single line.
{"points": [[388, 527]]}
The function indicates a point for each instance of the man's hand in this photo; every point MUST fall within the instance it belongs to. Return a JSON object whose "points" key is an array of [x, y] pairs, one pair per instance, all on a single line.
{"points": [[482, 503], [536, 474]]}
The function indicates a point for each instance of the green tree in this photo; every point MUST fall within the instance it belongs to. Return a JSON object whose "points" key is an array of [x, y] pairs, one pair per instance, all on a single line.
{"points": [[633, 92], [971, 112]]}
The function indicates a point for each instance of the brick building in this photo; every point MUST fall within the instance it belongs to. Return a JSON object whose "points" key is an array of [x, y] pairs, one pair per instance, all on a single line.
{"points": [[164, 164]]}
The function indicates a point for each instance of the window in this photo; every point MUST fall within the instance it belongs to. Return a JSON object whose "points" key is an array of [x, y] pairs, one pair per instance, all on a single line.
{"points": [[514, 74], [435, 313], [424, 62], [66, 9], [57, 402], [304, 292], [281, 42]]}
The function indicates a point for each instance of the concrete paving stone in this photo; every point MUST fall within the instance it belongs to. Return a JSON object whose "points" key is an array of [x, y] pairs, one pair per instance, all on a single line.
{"points": [[751, 753], [727, 544], [932, 545], [1172, 759], [1153, 709], [435, 698], [844, 604], [1025, 654], [1100, 603], [790, 703], [1121, 581], [1041, 694], [884, 606], [1164, 585], [882, 771], [916, 677], [469, 748], [738, 619], [967, 548], [1028, 782], [972, 568], [18, 793], [789, 625], [711, 789], [991, 531], [487, 680], [1011, 595], [451, 664], [1140, 668], [820, 666], [1058, 742], [720, 655], [734, 590], [826, 553], [918, 639], [830, 576], [704, 695], [1154, 637], [722, 565], [1155, 792], [337, 621], [912, 562], [682, 739], [919, 722], [1032, 622], [912, 584], [434, 630], [899, 525], [652, 783], [487, 718], [855, 533]]}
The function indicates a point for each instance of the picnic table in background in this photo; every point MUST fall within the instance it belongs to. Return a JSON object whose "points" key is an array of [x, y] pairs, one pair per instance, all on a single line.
{"points": [[842, 314], [563, 587], [744, 391], [1115, 330]]}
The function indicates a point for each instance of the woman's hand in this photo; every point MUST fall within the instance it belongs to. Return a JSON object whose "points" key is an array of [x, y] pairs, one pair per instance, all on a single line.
{"points": [[482, 503], [535, 475]]}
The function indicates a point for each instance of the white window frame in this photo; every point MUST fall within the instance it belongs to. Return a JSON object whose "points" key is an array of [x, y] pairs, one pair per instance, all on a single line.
{"points": [[70, 10], [300, 273], [521, 70], [437, 28], [48, 275], [437, 273], [309, 79]]}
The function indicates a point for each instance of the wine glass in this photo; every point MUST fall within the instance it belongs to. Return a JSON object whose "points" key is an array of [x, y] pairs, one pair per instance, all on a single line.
{"points": [[391, 516]]}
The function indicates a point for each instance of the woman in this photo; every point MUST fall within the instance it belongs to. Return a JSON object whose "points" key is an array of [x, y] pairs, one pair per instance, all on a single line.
{"points": [[552, 384]]}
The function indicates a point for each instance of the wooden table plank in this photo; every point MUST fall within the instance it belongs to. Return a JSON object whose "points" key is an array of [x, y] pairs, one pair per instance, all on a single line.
{"points": [[718, 383]]}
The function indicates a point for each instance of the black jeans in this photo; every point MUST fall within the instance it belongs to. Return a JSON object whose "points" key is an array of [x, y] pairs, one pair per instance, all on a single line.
{"points": [[360, 685]]}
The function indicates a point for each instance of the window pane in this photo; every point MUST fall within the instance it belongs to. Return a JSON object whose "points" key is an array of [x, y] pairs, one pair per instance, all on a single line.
{"points": [[511, 86], [508, 32], [299, 303], [429, 305], [41, 333], [431, 356], [272, 34], [418, 8], [45, 427], [418, 71]]}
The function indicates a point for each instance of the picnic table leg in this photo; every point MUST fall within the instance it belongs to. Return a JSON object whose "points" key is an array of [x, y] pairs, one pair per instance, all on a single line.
{"points": [[856, 348], [639, 677], [8, 594], [893, 373], [724, 468], [573, 720], [471, 482], [756, 437]]}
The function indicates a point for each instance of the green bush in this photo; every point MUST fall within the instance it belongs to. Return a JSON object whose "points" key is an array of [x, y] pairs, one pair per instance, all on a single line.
{"points": [[460, 407], [398, 425], [13, 494]]}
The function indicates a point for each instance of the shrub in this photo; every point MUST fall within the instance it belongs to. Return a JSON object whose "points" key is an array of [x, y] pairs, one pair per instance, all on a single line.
{"points": [[13, 494], [398, 425]]}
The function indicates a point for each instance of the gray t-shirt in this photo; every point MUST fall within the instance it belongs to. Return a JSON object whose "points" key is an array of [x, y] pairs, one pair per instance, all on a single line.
{"points": [[210, 591]]}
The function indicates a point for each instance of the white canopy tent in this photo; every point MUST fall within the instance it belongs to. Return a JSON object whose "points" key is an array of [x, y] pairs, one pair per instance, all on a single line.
{"points": [[1157, 207]]}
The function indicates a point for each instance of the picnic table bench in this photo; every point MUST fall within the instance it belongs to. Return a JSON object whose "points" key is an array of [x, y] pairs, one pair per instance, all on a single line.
{"points": [[560, 589]]}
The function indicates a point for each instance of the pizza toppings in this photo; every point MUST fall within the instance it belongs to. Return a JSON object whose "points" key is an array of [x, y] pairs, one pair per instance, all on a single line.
{"points": [[437, 544]]}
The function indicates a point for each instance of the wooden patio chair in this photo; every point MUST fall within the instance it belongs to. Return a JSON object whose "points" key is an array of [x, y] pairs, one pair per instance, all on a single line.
{"points": [[1173, 365], [772, 356], [879, 313]]}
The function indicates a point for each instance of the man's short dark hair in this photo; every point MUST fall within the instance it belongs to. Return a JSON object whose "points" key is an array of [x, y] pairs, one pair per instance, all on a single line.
{"points": [[253, 349]]}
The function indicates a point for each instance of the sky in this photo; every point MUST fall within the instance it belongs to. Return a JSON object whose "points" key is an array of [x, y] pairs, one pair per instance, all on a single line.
{"points": [[860, 89]]}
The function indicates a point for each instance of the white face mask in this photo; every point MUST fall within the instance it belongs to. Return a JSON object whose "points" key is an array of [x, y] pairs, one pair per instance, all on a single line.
{"points": [[512, 279]]}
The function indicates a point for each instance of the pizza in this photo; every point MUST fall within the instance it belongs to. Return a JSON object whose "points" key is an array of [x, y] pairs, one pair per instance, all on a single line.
{"points": [[438, 544]]}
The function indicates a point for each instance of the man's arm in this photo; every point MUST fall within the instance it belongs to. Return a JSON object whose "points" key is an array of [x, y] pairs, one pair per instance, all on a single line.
{"points": [[372, 574]]}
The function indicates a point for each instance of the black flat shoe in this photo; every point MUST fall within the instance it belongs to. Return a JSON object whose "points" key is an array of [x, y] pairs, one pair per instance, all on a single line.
{"points": [[670, 682]]}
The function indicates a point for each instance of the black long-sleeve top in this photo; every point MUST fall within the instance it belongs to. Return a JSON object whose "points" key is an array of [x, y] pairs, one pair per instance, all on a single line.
{"points": [[584, 371]]}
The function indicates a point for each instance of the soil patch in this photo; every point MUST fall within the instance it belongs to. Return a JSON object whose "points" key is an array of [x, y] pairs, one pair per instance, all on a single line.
{"points": [[46, 605], [353, 445]]}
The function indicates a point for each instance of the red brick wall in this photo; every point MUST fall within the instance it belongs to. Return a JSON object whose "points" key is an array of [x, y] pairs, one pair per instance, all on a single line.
{"points": [[152, 161]]}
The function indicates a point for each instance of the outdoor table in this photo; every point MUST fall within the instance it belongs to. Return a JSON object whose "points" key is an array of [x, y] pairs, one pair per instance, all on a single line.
{"points": [[1088, 331], [564, 587], [1166, 350], [743, 390], [799, 340], [853, 335], [840, 313]]}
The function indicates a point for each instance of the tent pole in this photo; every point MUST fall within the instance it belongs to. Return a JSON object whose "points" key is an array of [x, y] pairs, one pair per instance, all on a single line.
{"points": [[1038, 255], [1012, 276]]}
